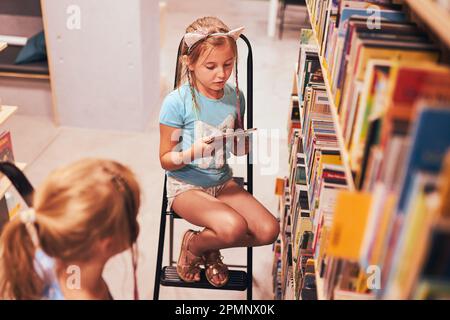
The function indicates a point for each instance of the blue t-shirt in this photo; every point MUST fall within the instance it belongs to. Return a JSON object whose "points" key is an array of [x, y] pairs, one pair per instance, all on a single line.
{"points": [[213, 116], [44, 266]]}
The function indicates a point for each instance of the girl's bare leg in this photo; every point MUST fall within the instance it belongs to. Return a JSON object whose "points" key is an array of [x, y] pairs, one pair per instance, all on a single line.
{"points": [[224, 227], [263, 228], [233, 219]]}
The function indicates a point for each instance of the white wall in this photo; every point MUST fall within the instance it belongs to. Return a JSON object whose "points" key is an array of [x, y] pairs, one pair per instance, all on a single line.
{"points": [[106, 73]]}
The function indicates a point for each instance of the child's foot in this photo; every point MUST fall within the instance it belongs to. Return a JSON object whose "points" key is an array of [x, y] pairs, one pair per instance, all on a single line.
{"points": [[215, 270], [188, 266]]}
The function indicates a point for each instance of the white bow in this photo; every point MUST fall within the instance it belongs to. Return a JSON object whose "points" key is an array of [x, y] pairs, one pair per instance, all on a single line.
{"points": [[28, 216], [192, 38]]}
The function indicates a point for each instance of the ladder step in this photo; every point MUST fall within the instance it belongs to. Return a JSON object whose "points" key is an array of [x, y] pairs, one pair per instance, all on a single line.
{"points": [[237, 282], [240, 181], [175, 215]]}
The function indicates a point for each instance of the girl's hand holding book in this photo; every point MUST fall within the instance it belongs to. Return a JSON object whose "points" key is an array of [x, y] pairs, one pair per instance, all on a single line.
{"points": [[201, 148]]}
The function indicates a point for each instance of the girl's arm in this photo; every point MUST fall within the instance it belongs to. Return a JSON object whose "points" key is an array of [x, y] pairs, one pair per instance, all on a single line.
{"points": [[170, 154]]}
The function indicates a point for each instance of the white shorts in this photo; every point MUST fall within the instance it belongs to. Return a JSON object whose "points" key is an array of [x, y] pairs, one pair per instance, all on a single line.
{"points": [[176, 187]]}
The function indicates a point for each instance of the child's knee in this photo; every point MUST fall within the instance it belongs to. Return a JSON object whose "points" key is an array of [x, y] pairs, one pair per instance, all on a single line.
{"points": [[269, 232], [233, 230]]}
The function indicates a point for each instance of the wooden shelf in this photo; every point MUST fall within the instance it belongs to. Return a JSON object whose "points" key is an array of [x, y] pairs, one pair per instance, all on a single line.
{"points": [[434, 17], [5, 183], [3, 45], [331, 99], [6, 112]]}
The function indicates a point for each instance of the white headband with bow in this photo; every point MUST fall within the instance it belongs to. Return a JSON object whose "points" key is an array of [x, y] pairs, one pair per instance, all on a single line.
{"points": [[192, 38]]}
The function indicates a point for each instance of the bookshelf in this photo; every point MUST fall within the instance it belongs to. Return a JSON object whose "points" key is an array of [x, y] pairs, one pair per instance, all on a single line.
{"points": [[331, 99], [339, 133], [434, 17], [6, 112], [377, 195]]}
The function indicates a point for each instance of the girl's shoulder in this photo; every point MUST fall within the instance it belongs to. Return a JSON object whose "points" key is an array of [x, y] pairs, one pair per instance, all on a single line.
{"points": [[178, 94], [174, 106]]}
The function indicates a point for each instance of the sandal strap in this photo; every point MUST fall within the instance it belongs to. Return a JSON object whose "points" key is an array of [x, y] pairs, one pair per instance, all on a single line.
{"points": [[214, 263], [191, 263], [213, 257], [214, 266]]}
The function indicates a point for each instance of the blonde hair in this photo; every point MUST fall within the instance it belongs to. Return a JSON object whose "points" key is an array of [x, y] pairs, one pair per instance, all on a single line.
{"points": [[205, 25], [76, 206]]}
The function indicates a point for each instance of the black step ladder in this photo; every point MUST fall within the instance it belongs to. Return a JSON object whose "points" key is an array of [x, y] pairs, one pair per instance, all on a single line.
{"points": [[21, 184], [19, 181], [238, 280]]}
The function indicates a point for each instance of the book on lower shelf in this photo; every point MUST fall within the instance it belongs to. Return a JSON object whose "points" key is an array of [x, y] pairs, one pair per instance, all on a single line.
{"points": [[6, 147], [377, 101]]}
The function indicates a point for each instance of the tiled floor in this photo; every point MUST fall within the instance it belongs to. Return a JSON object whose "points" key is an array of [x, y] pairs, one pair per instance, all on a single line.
{"points": [[44, 147]]}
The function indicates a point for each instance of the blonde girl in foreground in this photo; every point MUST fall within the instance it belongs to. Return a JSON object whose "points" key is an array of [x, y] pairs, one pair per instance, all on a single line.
{"points": [[83, 214]]}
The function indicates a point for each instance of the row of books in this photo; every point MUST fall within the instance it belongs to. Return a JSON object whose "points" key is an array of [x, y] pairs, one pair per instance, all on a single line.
{"points": [[400, 237], [316, 173], [283, 264], [393, 102], [325, 173], [351, 43], [284, 283], [276, 271], [292, 280]]}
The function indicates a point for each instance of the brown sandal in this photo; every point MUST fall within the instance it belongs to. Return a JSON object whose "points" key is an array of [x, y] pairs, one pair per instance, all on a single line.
{"points": [[215, 266], [188, 263]]}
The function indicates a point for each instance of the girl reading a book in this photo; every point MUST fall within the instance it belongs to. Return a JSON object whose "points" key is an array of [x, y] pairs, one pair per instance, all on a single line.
{"points": [[200, 185], [83, 214]]}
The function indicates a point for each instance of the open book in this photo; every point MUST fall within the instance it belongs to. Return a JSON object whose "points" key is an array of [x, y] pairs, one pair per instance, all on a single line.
{"points": [[231, 135]]}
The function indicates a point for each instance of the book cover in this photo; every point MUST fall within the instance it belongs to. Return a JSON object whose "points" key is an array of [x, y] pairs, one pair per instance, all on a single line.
{"points": [[373, 137], [431, 140], [279, 186], [375, 236], [409, 84], [392, 51], [412, 245], [6, 149], [349, 224], [373, 97], [389, 31], [307, 37]]}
